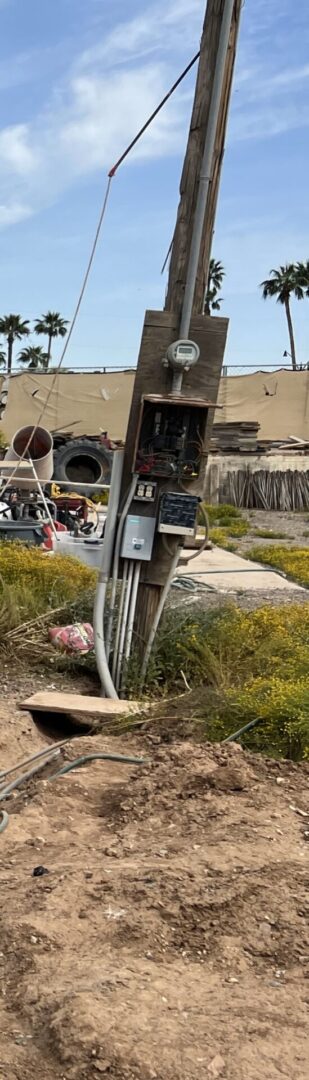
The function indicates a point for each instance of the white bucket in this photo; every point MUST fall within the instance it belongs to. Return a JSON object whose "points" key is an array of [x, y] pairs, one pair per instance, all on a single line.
{"points": [[87, 552]]}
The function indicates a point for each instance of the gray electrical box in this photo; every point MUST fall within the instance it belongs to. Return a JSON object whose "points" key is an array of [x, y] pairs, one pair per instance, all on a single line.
{"points": [[138, 537], [178, 514]]}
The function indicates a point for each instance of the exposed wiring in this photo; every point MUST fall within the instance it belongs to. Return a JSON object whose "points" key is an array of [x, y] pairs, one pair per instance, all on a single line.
{"points": [[188, 584], [206, 537], [76, 764]]}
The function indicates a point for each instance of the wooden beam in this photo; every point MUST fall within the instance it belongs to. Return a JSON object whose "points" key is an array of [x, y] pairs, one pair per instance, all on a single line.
{"points": [[193, 160], [79, 704]]}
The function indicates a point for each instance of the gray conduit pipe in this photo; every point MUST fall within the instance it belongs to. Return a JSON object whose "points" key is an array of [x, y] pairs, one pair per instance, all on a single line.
{"points": [[27, 775], [124, 622], [130, 622], [108, 688], [34, 757], [119, 620], [116, 560]]}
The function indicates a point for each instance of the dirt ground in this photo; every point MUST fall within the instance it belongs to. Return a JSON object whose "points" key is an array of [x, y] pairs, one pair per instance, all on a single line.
{"points": [[169, 938], [294, 525]]}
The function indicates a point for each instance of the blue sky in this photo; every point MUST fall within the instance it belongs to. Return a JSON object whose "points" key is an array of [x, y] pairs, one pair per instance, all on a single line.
{"points": [[77, 79]]}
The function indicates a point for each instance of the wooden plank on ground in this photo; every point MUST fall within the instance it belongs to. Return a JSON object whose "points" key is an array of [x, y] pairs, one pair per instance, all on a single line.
{"points": [[55, 702]]}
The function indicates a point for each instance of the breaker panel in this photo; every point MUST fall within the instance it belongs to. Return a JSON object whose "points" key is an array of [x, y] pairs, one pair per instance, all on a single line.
{"points": [[170, 438], [178, 514]]}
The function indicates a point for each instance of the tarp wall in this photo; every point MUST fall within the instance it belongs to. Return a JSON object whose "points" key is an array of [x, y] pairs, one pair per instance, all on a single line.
{"points": [[86, 403], [279, 401]]}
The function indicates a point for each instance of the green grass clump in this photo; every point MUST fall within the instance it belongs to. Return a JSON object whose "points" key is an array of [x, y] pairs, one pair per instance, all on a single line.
{"points": [[270, 534], [238, 528], [243, 666], [293, 561], [220, 514], [220, 538], [33, 582]]}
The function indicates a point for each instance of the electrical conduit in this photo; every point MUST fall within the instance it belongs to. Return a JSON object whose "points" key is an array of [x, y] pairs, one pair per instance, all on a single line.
{"points": [[108, 688]]}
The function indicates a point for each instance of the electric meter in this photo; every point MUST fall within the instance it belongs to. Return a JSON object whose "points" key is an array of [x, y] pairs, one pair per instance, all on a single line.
{"points": [[183, 354]]}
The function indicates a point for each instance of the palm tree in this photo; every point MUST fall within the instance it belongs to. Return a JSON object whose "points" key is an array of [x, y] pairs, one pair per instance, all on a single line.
{"points": [[212, 302], [35, 358], [302, 274], [283, 284], [2, 357], [13, 328], [52, 325]]}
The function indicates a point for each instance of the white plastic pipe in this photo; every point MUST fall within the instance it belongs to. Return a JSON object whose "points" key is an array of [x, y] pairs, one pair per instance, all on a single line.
{"points": [[119, 620], [124, 623], [123, 515], [108, 688], [40, 452], [131, 615]]}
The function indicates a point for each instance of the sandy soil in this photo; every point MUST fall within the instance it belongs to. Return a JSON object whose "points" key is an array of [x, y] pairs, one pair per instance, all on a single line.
{"points": [[294, 526], [169, 938]]}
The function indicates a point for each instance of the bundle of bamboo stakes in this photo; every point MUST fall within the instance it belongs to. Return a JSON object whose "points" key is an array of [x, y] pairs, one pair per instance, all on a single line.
{"points": [[265, 490]]}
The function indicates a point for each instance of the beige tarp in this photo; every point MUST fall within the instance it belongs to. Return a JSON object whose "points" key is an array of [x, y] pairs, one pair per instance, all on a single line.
{"points": [[83, 404], [279, 401], [86, 403]]}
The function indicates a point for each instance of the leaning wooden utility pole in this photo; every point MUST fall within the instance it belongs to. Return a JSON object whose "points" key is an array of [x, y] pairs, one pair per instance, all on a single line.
{"points": [[185, 294], [193, 159]]}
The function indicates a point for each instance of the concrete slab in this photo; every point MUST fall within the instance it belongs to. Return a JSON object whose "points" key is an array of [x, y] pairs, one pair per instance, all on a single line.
{"points": [[227, 572]]}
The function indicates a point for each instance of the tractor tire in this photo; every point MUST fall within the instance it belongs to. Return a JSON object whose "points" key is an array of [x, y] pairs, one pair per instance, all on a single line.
{"points": [[83, 461]]}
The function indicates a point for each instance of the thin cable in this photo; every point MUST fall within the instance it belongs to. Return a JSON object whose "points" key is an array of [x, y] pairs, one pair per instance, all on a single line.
{"points": [[76, 764], [153, 115], [34, 757], [68, 338], [27, 775], [111, 174], [206, 536]]}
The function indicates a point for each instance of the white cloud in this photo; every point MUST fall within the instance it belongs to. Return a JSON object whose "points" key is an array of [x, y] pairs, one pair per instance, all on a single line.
{"points": [[95, 112], [112, 87], [11, 214], [161, 26], [15, 152]]}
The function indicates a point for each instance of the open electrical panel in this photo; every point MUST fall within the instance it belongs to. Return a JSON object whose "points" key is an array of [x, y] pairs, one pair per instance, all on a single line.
{"points": [[170, 437]]}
